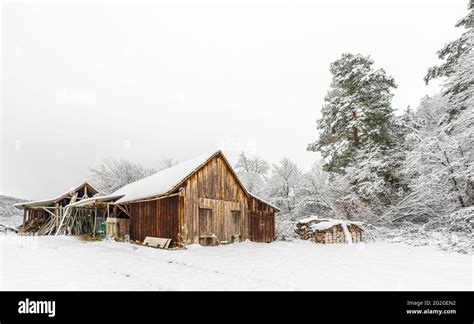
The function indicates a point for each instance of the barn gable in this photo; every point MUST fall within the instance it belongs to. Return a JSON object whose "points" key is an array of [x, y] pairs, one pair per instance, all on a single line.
{"points": [[215, 203]]}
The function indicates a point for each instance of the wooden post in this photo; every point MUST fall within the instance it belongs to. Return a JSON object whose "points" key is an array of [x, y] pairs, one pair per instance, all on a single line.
{"points": [[95, 217], [24, 217]]}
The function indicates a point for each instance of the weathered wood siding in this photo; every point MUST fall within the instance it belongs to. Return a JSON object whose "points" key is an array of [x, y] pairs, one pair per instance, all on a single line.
{"points": [[262, 221], [211, 202], [158, 218], [214, 187], [262, 226]]}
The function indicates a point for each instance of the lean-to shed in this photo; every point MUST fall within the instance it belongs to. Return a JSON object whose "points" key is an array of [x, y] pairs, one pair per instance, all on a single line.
{"points": [[47, 207]]}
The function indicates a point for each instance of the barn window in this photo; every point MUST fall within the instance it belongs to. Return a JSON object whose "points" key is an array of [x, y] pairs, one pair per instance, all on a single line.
{"points": [[205, 221]]}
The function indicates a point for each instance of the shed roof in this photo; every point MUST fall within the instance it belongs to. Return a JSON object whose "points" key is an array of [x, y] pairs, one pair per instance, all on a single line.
{"points": [[51, 201]]}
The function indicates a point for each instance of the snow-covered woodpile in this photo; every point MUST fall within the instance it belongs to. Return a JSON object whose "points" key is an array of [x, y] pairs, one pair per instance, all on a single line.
{"points": [[327, 230]]}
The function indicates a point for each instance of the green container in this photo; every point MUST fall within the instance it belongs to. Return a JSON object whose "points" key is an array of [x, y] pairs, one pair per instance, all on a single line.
{"points": [[103, 227]]}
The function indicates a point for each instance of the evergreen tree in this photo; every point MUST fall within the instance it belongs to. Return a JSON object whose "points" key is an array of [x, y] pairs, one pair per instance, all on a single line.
{"points": [[453, 51], [458, 68], [357, 113]]}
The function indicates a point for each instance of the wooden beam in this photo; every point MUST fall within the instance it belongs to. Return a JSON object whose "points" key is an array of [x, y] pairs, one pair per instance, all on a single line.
{"points": [[155, 198], [123, 209], [54, 215]]}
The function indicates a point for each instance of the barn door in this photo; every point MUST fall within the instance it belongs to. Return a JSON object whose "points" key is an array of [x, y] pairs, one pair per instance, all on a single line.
{"points": [[261, 226], [205, 222], [236, 222]]}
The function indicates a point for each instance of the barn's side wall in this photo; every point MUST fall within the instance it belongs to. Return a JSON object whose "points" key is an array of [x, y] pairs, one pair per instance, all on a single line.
{"points": [[157, 218], [214, 187], [262, 221]]}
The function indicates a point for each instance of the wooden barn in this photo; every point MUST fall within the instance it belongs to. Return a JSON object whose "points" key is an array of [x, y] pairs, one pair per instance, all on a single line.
{"points": [[198, 201], [328, 231]]}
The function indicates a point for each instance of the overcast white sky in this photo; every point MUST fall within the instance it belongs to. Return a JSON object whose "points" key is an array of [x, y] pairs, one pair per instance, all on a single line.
{"points": [[142, 80]]}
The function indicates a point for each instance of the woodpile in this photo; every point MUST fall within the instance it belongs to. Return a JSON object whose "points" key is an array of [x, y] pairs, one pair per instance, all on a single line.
{"points": [[34, 224], [329, 231]]}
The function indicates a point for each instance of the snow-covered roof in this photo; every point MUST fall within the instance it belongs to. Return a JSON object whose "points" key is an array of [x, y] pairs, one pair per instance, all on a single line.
{"points": [[162, 182], [50, 201], [264, 201], [308, 219], [36, 203]]}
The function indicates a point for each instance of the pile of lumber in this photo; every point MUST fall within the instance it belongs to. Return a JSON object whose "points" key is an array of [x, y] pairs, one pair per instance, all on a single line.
{"points": [[68, 220], [34, 224]]}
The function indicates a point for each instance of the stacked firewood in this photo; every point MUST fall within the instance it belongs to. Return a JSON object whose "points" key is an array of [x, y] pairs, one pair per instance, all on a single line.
{"points": [[304, 231], [329, 230], [34, 224]]}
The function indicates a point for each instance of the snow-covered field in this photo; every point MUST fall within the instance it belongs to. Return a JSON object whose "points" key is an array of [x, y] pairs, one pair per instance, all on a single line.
{"points": [[67, 263]]}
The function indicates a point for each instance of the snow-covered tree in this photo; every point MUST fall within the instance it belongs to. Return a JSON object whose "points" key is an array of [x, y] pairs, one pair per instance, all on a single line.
{"points": [[360, 136], [316, 193], [252, 171], [459, 89], [284, 185], [458, 67], [430, 112], [438, 169], [453, 51], [113, 174], [166, 163], [357, 112], [439, 166]]}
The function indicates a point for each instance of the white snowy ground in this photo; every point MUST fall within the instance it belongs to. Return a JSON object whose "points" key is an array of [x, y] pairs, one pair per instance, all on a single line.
{"points": [[67, 263]]}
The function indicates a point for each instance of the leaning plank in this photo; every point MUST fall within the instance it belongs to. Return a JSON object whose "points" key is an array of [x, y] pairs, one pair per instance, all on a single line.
{"points": [[66, 213], [157, 242], [6, 227]]}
